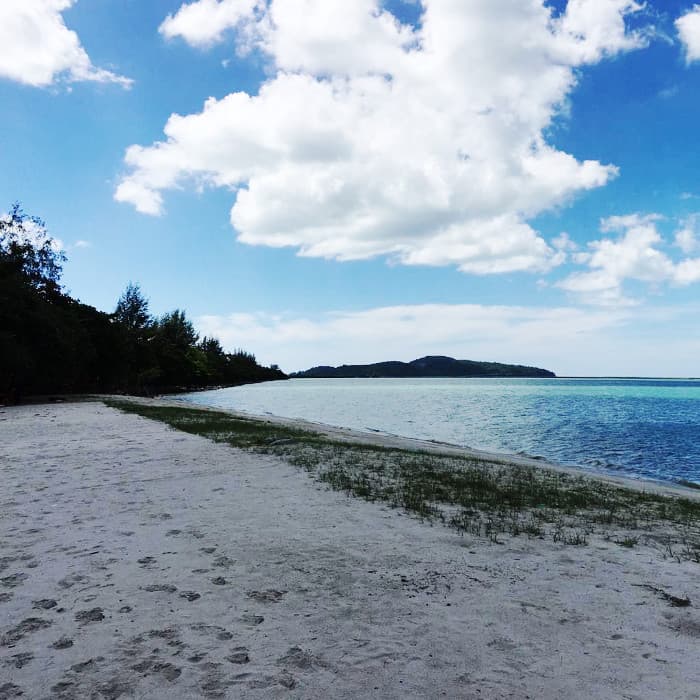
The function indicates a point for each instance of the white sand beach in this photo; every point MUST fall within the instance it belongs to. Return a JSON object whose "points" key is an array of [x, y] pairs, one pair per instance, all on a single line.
{"points": [[137, 561]]}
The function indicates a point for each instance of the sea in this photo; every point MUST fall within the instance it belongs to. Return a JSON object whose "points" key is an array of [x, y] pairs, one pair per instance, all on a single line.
{"points": [[640, 428]]}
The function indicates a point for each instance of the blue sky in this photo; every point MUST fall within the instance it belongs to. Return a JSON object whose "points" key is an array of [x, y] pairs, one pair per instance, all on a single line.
{"points": [[512, 181]]}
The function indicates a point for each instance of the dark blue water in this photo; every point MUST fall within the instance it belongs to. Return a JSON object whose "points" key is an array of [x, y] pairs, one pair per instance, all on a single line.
{"points": [[646, 428]]}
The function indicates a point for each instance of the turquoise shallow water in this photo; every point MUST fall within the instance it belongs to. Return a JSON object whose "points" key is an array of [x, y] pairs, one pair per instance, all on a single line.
{"points": [[646, 428]]}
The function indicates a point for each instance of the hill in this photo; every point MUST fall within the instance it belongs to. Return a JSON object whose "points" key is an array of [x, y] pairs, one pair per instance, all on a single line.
{"points": [[430, 366]]}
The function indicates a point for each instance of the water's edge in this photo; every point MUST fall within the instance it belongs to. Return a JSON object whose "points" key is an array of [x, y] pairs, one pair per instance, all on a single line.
{"points": [[401, 442]]}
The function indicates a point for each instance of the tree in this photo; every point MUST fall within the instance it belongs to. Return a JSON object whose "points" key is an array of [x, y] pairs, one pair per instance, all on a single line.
{"points": [[132, 310], [48, 341], [180, 362], [211, 347], [177, 329], [28, 254]]}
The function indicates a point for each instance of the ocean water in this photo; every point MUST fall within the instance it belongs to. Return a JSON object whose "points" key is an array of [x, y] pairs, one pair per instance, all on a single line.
{"points": [[648, 428]]}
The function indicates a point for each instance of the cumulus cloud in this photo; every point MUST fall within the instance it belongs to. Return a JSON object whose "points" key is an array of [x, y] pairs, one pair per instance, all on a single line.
{"points": [[204, 22], [688, 26], [633, 255], [468, 331], [590, 30], [38, 48], [423, 143]]}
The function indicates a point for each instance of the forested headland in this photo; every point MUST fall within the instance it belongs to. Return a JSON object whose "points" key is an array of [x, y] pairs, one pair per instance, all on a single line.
{"points": [[53, 343], [431, 366]]}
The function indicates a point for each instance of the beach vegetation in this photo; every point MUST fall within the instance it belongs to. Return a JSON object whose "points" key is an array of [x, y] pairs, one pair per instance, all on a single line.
{"points": [[476, 496]]}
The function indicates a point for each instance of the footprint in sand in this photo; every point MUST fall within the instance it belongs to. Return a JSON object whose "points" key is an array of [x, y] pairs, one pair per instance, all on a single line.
{"points": [[9, 691], [62, 643], [160, 587], [20, 660], [6, 561], [14, 580], [298, 658], [269, 596], [92, 615], [70, 580], [285, 679], [252, 620], [239, 655], [31, 624], [222, 634], [113, 689], [168, 633], [224, 562], [88, 665], [150, 667], [168, 671], [60, 689]]}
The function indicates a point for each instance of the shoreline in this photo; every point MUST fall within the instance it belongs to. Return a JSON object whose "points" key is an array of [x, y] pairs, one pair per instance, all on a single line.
{"points": [[400, 442], [143, 560]]}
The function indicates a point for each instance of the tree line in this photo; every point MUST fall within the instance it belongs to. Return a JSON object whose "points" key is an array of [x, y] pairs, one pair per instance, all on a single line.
{"points": [[53, 343]]}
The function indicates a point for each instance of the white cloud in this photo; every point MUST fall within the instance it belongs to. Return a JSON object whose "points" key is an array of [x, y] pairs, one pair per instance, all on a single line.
{"points": [[687, 271], [686, 237], [633, 255], [688, 26], [204, 22], [467, 331], [567, 340], [38, 48], [564, 243], [375, 138], [593, 29]]}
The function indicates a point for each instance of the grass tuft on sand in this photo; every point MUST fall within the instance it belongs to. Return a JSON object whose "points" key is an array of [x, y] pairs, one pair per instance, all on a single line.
{"points": [[484, 498]]}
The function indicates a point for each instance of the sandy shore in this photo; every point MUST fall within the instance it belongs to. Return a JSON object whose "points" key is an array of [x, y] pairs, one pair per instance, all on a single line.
{"points": [[137, 561]]}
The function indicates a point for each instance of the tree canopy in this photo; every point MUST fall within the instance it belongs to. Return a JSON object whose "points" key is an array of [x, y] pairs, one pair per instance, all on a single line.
{"points": [[51, 342], [132, 309], [28, 254]]}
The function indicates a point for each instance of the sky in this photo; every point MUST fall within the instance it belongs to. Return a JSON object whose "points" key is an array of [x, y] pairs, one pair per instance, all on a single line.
{"points": [[328, 182]]}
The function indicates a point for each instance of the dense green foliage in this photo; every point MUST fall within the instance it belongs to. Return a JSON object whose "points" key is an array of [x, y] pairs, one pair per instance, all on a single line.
{"points": [[50, 342]]}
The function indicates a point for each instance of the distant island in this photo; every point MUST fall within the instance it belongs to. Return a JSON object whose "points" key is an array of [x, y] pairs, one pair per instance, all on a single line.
{"points": [[431, 366]]}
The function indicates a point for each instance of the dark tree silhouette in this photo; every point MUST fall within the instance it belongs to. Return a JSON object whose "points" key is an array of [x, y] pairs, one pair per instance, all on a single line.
{"points": [[28, 253], [50, 342], [132, 310]]}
